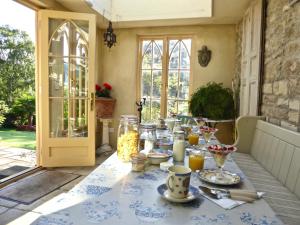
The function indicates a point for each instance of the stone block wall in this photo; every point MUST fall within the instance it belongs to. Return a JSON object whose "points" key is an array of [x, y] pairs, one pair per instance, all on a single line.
{"points": [[281, 81]]}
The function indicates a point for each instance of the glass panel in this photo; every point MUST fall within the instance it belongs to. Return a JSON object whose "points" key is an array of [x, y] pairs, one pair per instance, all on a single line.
{"points": [[174, 56], [147, 58], [159, 43], [172, 84], [157, 58], [157, 74], [184, 85], [183, 107], [171, 107], [155, 110], [146, 113], [78, 77], [59, 37], [78, 38], [78, 118], [184, 57], [145, 45], [58, 77], [146, 83], [58, 117], [188, 44]]}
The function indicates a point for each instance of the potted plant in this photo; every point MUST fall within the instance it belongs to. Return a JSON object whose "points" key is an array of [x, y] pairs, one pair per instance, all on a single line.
{"points": [[212, 101], [105, 104]]}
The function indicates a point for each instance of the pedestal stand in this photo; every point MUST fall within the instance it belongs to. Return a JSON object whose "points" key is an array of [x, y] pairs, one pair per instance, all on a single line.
{"points": [[105, 147]]}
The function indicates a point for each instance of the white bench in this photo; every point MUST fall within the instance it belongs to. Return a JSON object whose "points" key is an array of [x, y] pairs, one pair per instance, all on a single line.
{"points": [[269, 156]]}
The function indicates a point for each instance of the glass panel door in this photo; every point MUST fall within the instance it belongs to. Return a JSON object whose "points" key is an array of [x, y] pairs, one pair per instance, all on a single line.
{"points": [[67, 73]]}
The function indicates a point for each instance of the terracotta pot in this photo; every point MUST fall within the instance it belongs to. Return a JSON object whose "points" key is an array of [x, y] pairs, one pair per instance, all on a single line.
{"points": [[105, 107]]}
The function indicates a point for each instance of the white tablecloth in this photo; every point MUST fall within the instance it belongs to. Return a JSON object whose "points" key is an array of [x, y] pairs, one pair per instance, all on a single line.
{"points": [[112, 194]]}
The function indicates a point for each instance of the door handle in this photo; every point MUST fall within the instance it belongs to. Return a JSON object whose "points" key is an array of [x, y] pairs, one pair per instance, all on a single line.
{"points": [[92, 101]]}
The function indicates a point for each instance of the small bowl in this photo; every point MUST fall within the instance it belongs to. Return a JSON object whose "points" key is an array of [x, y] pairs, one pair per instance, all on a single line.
{"points": [[156, 158]]}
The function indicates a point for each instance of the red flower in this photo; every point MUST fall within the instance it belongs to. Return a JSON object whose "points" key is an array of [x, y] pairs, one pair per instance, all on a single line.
{"points": [[98, 88], [107, 86]]}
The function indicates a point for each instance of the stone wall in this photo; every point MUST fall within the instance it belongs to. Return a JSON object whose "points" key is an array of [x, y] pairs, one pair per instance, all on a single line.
{"points": [[281, 81]]}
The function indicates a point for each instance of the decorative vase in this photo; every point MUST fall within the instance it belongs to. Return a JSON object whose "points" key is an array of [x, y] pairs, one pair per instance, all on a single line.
{"points": [[105, 107]]}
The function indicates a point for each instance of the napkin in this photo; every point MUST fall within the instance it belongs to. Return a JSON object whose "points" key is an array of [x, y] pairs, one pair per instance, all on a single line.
{"points": [[227, 203]]}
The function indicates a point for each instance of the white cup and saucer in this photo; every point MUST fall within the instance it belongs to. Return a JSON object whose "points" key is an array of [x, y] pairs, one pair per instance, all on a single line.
{"points": [[177, 187]]}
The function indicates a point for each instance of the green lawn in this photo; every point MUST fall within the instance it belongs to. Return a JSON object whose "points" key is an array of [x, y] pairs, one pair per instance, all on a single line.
{"points": [[19, 139]]}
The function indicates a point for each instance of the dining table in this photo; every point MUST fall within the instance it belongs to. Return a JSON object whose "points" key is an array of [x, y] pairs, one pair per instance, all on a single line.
{"points": [[114, 194]]}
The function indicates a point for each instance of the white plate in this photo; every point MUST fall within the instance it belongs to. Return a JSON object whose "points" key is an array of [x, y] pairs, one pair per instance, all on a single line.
{"points": [[213, 177], [192, 195]]}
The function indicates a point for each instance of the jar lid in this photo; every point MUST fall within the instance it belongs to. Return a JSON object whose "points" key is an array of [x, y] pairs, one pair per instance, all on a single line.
{"points": [[147, 126], [179, 132]]}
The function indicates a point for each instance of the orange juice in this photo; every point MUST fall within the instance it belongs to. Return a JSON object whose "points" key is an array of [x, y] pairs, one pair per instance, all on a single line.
{"points": [[193, 139], [196, 162]]}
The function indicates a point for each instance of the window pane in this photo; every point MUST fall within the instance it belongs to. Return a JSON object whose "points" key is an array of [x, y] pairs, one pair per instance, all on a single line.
{"points": [[184, 85], [78, 118], [157, 59], [155, 110], [174, 57], [146, 83], [145, 45], [172, 84], [171, 107], [146, 113], [184, 57], [147, 58], [58, 77], [188, 44], [156, 83], [58, 118], [183, 107]]}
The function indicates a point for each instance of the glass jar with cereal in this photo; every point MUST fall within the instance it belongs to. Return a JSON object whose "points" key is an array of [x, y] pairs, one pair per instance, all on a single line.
{"points": [[128, 137]]}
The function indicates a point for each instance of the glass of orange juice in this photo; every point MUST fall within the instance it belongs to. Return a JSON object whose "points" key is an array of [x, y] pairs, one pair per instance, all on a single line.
{"points": [[193, 138], [196, 160]]}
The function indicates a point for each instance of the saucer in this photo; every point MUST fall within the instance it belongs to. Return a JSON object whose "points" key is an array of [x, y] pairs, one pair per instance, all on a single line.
{"points": [[192, 195], [212, 176]]}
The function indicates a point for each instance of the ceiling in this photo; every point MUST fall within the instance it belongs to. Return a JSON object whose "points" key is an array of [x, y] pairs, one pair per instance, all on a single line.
{"points": [[223, 12]]}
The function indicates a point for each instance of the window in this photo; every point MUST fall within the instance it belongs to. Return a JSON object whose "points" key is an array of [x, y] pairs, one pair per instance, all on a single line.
{"points": [[164, 69]]}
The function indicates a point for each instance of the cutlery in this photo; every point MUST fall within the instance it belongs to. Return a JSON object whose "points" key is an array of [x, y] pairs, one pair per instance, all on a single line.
{"points": [[240, 195]]}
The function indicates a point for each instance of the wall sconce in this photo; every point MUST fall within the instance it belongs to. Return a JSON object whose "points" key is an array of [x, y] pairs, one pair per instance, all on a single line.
{"points": [[204, 56], [109, 37]]}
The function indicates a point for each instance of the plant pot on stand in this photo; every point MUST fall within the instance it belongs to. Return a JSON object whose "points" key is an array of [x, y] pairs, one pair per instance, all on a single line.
{"points": [[105, 107]]}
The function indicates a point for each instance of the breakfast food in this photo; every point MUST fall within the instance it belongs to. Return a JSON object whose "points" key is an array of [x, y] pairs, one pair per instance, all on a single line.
{"points": [[127, 145], [220, 153]]}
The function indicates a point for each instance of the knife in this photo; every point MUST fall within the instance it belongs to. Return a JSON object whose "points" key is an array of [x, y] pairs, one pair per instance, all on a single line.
{"points": [[246, 196]]}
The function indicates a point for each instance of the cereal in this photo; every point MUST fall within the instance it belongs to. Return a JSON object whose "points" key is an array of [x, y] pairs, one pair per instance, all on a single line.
{"points": [[127, 145]]}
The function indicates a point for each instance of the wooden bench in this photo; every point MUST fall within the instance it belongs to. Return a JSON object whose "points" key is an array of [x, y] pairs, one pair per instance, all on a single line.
{"points": [[269, 156]]}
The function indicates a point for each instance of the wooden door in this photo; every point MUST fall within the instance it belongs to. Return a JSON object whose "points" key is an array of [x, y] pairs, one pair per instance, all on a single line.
{"points": [[250, 68], [67, 83]]}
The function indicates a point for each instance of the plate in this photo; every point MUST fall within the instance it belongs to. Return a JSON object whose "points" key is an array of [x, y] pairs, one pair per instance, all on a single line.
{"points": [[214, 177], [192, 195]]}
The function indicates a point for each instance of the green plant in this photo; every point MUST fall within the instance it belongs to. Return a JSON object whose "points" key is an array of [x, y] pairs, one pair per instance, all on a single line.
{"points": [[3, 111], [212, 101], [24, 109], [103, 91]]}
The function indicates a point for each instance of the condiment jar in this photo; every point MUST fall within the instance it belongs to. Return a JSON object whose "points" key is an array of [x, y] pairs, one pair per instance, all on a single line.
{"points": [[147, 137], [178, 146], [128, 137], [138, 161]]}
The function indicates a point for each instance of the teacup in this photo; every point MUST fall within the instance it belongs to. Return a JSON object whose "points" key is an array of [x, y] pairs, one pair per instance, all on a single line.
{"points": [[178, 181]]}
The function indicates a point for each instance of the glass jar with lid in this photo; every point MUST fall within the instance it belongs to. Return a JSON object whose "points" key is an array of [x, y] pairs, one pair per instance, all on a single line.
{"points": [[147, 137], [128, 137], [177, 126], [178, 146]]}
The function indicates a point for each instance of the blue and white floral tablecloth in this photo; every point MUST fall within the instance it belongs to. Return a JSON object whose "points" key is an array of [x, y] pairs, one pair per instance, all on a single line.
{"points": [[112, 194]]}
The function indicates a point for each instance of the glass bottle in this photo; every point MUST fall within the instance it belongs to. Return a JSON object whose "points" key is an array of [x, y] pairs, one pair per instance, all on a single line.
{"points": [[147, 137], [128, 137], [178, 146], [177, 126]]}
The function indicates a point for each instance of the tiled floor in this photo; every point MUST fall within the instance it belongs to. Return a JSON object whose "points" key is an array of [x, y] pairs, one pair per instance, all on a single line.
{"points": [[16, 157], [9, 211]]}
